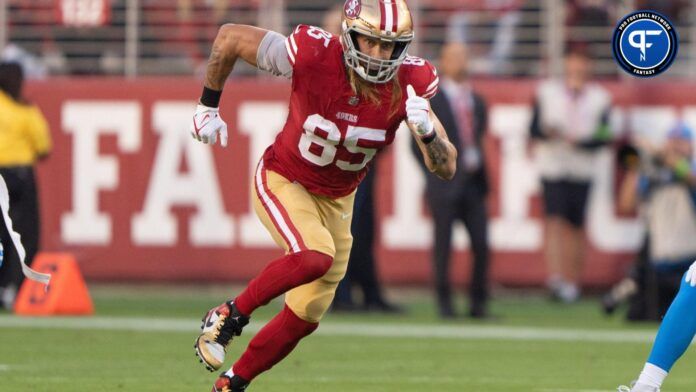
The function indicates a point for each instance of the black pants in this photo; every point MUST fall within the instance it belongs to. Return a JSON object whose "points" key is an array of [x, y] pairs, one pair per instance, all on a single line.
{"points": [[469, 207], [668, 281], [361, 263], [24, 212], [643, 305]]}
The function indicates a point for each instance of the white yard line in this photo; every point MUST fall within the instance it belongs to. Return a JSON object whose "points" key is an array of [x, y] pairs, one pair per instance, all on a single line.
{"points": [[343, 329], [4, 368]]}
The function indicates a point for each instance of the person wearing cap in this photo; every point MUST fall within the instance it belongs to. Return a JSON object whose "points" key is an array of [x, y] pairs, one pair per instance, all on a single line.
{"points": [[24, 140]]}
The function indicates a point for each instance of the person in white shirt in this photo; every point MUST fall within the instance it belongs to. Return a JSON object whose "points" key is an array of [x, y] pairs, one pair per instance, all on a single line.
{"points": [[569, 124]]}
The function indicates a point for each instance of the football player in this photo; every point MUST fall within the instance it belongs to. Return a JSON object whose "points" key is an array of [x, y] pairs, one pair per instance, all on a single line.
{"points": [[349, 95], [676, 332]]}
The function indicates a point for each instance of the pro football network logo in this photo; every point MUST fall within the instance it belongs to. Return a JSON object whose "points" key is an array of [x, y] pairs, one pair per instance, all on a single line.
{"points": [[645, 43]]}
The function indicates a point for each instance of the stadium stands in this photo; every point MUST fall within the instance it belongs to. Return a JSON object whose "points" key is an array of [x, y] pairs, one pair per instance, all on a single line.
{"points": [[156, 37]]}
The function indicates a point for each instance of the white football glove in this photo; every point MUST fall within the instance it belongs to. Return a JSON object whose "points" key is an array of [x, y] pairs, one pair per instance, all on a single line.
{"points": [[206, 125], [418, 112], [691, 275]]}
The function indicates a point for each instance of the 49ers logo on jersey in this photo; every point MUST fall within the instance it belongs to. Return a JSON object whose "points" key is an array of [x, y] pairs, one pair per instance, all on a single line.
{"points": [[352, 9]]}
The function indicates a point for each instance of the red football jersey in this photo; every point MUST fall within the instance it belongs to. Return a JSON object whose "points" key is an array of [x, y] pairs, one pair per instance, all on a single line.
{"points": [[331, 135]]}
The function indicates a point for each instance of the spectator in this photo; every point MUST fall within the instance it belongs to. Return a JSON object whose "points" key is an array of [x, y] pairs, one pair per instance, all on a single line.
{"points": [[24, 139], [664, 189], [569, 125], [463, 113]]}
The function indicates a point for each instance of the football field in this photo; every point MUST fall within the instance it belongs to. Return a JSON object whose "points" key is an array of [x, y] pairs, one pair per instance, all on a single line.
{"points": [[141, 339]]}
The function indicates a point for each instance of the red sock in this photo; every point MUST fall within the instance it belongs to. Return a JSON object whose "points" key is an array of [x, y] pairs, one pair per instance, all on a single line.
{"points": [[272, 343], [280, 276]]}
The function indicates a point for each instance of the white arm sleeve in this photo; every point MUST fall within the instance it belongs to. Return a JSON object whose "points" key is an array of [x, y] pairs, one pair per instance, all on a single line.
{"points": [[272, 55]]}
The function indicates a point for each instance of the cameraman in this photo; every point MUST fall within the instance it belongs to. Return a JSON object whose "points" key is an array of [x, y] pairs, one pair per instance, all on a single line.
{"points": [[662, 184]]}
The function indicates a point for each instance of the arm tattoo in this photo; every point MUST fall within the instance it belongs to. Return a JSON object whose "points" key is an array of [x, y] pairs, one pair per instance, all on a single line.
{"points": [[437, 152], [218, 69]]}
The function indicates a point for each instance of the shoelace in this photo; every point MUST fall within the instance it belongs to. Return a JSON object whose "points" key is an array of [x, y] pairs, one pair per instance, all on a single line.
{"points": [[232, 326]]}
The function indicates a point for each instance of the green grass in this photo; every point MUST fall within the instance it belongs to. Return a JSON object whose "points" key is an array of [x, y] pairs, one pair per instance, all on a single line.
{"points": [[64, 359]]}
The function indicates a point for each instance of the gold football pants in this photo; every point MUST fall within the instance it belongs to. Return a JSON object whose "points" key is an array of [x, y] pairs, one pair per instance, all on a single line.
{"points": [[299, 221]]}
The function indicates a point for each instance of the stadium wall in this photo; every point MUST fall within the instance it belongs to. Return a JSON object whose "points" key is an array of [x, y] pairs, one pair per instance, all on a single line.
{"points": [[134, 198]]}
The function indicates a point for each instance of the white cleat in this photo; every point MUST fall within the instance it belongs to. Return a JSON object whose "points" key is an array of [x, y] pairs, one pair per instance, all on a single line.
{"points": [[635, 387], [220, 324]]}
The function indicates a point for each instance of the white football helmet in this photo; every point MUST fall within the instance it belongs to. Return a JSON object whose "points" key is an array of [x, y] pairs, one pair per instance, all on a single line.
{"points": [[388, 20]]}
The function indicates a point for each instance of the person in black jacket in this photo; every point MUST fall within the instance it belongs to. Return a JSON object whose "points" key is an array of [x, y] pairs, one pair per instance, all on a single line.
{"points": [[463, 113]]}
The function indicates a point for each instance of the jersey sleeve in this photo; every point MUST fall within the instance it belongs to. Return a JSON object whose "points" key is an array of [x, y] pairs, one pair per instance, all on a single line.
{"points": [[306, 45], [422, 75], [272, 56]]}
